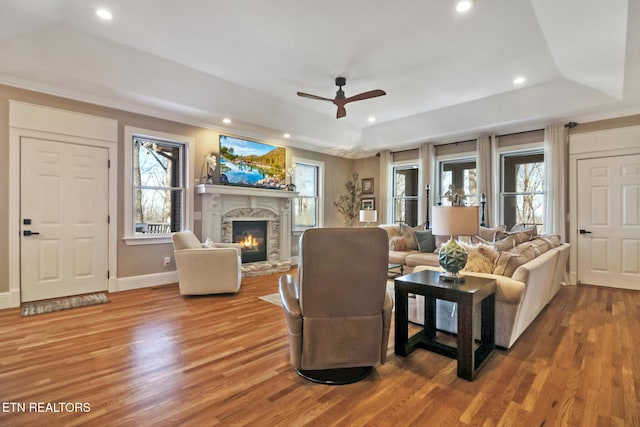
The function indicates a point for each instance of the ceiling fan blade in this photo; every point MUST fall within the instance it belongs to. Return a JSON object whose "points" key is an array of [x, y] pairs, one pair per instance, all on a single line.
{"points": [[308, 95], [341, 111], [365, 95]]}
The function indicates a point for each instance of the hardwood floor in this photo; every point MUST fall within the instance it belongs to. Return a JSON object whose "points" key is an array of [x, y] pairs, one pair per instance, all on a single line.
{"points": [[152, 357]]}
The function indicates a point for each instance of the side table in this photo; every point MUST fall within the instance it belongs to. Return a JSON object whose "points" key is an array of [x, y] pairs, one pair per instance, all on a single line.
{"points": [[467, 295]]}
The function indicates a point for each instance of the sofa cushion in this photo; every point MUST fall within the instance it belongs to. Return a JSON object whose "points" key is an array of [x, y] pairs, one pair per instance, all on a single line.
{"points": [[400, 257], [508, 261], [422, 258], [426, 241], [481, 258]]}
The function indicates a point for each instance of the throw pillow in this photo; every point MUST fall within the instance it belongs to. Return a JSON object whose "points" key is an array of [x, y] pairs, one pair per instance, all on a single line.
{"points": [[552, 239], [489, 234], [409, 234], [398, 243], [518, 236], [426, 241], [504, 244], [481, 258], [440, 240], [508, 262]]}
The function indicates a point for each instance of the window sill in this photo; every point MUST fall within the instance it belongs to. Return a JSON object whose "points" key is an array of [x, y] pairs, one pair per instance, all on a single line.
{"points": [[148, 240]]}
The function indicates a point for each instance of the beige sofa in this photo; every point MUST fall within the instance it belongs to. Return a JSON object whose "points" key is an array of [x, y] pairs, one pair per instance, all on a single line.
{"points": [[528, 275]]}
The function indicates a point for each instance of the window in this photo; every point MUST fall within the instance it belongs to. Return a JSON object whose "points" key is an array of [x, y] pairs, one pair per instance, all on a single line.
{"points": [[460, 173], [307, 177], [405, 195], [158, 186], [522, 189], [157, 197]]}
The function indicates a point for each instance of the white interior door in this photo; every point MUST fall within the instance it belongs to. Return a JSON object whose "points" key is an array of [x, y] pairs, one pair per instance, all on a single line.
{"points": [[609, 221], [64, 199]]}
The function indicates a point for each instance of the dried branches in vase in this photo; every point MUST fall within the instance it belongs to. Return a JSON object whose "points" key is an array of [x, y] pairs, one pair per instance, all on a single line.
{"points": [[349, 204]]}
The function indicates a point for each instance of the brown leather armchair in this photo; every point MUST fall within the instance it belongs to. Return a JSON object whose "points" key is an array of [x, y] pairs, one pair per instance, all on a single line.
{"points": [[338, 312]]}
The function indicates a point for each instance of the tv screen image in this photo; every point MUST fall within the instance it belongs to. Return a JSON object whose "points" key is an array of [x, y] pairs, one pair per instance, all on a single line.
{"points": [[251, 163]]}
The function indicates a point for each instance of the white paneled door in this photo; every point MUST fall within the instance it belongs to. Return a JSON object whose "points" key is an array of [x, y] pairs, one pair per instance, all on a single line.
{"points": [[609, 221], [64, 219]]}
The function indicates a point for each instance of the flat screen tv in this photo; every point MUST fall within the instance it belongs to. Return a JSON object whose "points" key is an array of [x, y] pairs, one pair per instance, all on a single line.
{"points": [[251, 164]]}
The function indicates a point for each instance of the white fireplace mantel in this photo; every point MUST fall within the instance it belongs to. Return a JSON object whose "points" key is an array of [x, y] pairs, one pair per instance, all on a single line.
{"points": [[218, 200]]}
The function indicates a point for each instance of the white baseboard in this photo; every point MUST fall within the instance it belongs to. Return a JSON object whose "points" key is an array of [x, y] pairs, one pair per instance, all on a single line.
{"points": [[10, 299], [146, 281]]}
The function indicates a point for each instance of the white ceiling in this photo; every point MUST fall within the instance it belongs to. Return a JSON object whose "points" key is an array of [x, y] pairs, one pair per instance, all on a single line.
{"points": [[447, 76]]}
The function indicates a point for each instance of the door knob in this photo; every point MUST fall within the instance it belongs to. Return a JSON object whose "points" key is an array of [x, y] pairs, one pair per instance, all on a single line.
{"points": [[29, 233], [583, 231]]}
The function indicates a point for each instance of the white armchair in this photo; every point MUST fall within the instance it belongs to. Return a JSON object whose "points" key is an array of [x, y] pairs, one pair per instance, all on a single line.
{"points": [[204, 271]]}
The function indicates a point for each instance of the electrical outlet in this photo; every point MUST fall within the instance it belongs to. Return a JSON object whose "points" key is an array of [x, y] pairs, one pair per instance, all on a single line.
{"points": [[197, 216], [167, 260]]}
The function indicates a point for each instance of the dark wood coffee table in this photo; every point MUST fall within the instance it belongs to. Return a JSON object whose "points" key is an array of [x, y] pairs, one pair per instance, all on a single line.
{"points": [[474, 290]]}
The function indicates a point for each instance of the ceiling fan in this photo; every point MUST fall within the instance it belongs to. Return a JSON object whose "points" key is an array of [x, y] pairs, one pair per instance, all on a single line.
{"points": [[340, 100]]}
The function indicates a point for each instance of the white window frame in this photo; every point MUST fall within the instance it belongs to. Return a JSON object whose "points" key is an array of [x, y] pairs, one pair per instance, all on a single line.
{"points": [[130, 237], [497, 166], [404, 164], [319, 192], [449, 158]]}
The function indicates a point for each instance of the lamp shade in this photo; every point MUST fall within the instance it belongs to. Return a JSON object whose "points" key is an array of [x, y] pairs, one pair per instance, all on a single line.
{"points": [[368, 215], [455, 220]]}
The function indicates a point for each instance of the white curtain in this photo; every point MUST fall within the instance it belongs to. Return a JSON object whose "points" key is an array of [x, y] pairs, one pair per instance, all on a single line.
{"points": [[484, 174], [384, 208], [426, 166], [555, 160]]}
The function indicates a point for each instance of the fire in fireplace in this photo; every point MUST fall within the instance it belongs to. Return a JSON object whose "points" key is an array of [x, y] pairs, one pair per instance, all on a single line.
{"points": [[252, 236]]}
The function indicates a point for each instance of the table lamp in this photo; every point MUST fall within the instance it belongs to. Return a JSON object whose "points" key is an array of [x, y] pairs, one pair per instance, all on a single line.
{"points": [[368, 216], [454, 221]]}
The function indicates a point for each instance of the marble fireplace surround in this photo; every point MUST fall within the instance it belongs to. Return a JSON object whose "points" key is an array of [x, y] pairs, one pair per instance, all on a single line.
{"points": [[221, 205]]}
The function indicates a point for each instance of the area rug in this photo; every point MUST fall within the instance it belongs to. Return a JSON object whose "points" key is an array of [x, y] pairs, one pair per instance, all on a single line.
{"points": [[39, 307], [275, 298], [272, 298]]}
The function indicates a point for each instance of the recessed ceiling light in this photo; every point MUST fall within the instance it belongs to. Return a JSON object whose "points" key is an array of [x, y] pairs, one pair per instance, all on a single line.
{"points": [[104, 14], [519, 80], [464, 5], [226, 120], [286, 135], [371, 119]]}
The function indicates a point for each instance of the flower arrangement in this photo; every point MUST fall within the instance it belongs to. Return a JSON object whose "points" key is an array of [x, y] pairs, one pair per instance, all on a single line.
{"points": [[455, 197], [210, 163]]}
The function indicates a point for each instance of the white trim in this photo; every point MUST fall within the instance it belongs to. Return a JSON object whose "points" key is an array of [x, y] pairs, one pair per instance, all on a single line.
{"points": [[30, 120], [144, 281], [190, 147], [320, 165], [10, 299]]}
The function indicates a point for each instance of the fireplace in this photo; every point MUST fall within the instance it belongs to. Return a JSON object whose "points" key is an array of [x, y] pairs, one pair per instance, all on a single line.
{"points": [[222, 205], [252, 236]]}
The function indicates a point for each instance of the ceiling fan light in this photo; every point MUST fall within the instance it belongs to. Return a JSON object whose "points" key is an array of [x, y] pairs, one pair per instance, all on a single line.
{"points": [[464, 5]]}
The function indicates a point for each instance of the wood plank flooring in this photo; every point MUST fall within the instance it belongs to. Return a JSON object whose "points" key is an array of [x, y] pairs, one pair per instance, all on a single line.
{"points": [[152, 357]]}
